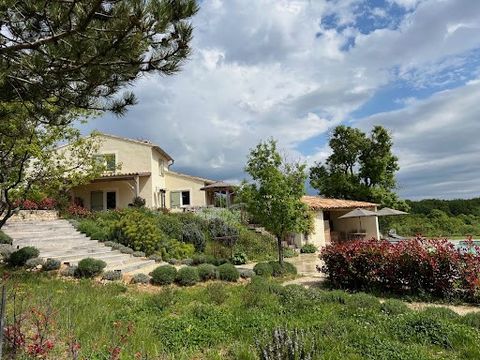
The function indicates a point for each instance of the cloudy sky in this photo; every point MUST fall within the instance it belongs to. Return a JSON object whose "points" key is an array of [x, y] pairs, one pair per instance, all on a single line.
{"points": [[295, 69]]}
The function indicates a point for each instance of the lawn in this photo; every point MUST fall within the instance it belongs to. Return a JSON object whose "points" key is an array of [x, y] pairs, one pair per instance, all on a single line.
{"points": [[221, 321]]}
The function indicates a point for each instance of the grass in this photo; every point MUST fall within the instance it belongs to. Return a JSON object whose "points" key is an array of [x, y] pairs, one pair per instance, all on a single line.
{"points": [[221, 321]]}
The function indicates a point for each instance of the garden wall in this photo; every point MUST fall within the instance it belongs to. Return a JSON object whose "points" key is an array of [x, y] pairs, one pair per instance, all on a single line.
{"points": [[34, 215]]}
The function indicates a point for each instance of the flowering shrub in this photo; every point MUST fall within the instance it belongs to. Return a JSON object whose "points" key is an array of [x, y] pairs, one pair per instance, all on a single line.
{"points": [[47, 204], [415, 266], [29, 205], [77, 211]]}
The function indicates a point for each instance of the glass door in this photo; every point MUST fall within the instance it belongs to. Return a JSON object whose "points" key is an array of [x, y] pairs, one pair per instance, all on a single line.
{"points": [[96, 200]]}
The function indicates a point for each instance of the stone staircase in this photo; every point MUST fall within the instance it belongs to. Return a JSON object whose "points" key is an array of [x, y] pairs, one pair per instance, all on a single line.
{"points": [[58, 239]]}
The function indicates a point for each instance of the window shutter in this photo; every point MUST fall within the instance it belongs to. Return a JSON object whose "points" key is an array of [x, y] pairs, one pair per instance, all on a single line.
{"points": [[174, 199]]}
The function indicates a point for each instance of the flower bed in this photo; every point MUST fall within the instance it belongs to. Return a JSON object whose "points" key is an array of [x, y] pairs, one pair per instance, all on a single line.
{"points": [[418, 266]]}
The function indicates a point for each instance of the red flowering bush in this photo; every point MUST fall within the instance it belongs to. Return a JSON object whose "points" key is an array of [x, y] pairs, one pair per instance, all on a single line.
{"points": [[77, 211], [434, 267], [29, 205], [47, 204]]}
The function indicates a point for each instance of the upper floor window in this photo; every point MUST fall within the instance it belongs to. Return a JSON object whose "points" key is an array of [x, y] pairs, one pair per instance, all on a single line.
{"points": [[108, 160], [161, 167]]}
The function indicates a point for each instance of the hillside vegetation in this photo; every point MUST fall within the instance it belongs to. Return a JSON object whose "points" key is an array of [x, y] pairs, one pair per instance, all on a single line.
{"points": [[437, 218]]}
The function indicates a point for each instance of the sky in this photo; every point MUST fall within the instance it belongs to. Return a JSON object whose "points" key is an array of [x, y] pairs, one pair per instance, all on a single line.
{"points": [[293, 70]]}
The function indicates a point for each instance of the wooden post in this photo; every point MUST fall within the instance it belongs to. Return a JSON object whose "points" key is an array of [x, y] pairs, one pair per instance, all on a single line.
{"points": [[2, 318], [137, 185]]}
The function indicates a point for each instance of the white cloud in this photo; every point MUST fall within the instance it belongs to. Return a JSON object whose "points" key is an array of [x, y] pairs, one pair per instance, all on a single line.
{"points": [[436, 141]]}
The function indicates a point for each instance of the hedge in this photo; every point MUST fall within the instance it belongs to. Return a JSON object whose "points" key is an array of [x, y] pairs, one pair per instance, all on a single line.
{"points": [[419, 266]]}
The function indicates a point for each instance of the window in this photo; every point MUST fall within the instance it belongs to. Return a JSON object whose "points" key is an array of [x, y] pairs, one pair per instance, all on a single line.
{"points": [[161, 167], [179, 198], [108, 160]]}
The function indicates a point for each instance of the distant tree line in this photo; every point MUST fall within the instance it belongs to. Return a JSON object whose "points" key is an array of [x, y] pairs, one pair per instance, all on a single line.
{"points": [[450, 207]]}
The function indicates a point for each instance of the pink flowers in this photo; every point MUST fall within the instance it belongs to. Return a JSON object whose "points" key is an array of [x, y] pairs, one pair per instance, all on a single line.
{"points": [[415, 266]]}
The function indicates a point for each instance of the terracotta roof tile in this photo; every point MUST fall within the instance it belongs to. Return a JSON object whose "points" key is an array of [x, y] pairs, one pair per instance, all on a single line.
{"points": [[319, 203]]}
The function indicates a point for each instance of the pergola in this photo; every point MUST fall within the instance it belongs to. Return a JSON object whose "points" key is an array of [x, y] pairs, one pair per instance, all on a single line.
{"points": [[222, 188], [134, 177]]}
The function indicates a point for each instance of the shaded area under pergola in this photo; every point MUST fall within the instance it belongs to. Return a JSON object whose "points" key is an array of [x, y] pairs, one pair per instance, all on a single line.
{"points": [[220, 194]]}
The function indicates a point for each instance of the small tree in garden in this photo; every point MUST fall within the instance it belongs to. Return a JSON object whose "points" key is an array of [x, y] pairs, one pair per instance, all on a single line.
{"points": [[274, 196]]}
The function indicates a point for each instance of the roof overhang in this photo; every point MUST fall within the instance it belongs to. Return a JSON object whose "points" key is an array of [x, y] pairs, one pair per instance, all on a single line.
{"points": [[120, 176], [320, 203]]}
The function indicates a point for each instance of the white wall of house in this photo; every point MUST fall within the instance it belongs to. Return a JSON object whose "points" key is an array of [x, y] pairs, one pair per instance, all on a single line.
{"points": [[175, 182]]}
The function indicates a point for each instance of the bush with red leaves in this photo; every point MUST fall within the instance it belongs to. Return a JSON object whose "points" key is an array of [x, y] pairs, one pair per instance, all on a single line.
{"points": [[418, 266], [77, 211], [29, 205], [47, 204]]}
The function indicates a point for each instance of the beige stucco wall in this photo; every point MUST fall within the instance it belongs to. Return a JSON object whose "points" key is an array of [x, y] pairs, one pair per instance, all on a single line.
{"points": [[176, 182]]}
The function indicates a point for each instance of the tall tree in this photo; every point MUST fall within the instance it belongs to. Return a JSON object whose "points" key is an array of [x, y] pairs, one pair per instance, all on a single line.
{"points": [[360, 167], [64, 59], [274, 196]]}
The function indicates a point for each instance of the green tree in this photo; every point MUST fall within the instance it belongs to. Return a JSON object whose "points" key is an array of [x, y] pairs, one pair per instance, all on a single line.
{"points": [[32, 161], [63, 59], [274, 196], [360, 167]]}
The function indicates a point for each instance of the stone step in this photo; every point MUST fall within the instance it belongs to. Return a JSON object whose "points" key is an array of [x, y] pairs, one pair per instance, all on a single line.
{"points": [[130, 266], [63, 254], [44, 245], [51, 236], [35, 229], [101, 255], [45, 225]]}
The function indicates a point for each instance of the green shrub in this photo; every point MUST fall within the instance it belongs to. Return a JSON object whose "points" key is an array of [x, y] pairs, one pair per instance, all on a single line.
{"points": [[308, 249], [228, 272], [89, 267], [191, 234], [394, 307], [174, 249], [112, 275], [155, 257], [219, 261], [109, 243], [289, 253], [52, 264], [170, 225], [20, 257], [227, 234], [263, 269], [333, 296], [33, 263], [126, 250], [116, 246], [138, 254], [289, 344], [246, 273], [239, 258], [173, 261], [140, 279], [187, 276], [256, 246], [4, 238], [69, 271], [137, 230], [164, 275], [95, 229], [207, 272], [284, 269]]}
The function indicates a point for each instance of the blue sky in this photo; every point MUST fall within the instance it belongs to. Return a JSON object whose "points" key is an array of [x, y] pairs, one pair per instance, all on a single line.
{"points": [[295, 69]]}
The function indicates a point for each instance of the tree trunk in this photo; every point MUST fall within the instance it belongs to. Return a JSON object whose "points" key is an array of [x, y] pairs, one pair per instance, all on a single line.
{"points": [[280, 250]]}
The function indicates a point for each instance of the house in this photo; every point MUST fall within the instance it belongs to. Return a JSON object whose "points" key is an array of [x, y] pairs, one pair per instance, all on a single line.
{"points": [[141, 168], [328, 227]]}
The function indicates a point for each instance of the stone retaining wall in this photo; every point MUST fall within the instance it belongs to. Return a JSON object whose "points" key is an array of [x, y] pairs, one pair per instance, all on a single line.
{"points": [[34, 215]]}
